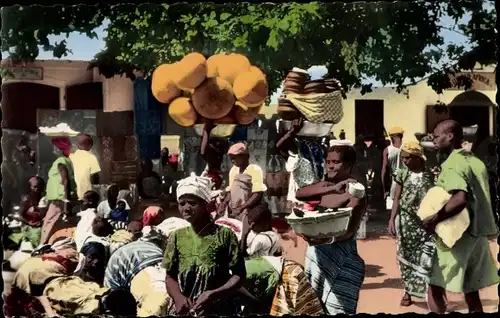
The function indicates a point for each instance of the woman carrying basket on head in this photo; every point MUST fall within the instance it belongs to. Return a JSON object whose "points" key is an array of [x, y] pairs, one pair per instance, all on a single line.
{"points": [[335, 270]]}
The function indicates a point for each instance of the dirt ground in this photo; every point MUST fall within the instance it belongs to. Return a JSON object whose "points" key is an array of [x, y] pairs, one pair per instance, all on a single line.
{"points": [[382, 288]]}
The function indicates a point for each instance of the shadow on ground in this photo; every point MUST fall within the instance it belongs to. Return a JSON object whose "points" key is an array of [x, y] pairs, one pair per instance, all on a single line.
{"points": [[394, 283], [373, 271]]}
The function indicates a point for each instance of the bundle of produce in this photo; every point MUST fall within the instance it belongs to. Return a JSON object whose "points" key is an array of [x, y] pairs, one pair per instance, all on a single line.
{"points": [[319, 102], [225, 89], [295, 82]]}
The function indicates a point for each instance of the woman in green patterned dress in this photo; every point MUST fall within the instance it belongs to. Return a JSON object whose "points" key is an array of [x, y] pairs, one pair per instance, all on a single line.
{"points": [[415, 247], [204, 265]]}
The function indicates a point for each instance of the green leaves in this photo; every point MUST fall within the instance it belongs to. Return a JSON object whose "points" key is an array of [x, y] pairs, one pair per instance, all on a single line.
{"points": [[393, 42]]}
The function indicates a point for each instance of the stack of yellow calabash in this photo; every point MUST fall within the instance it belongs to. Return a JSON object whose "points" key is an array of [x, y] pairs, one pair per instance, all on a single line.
{"points": [[224, 88]]}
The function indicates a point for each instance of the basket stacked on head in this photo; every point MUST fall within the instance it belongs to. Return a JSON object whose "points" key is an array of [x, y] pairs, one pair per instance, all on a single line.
{"points": [[317, 101], [224, 88]]}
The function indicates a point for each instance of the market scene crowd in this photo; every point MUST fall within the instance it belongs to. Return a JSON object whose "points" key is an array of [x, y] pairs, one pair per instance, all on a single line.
{"points": [[220, 254], [211, 243]]}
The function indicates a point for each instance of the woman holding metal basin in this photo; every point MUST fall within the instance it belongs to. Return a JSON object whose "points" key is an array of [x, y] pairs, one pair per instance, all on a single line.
{"points": [[333, 266]]}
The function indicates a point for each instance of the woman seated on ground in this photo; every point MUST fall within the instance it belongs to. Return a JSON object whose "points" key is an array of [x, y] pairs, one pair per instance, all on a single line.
{"points": [[81, 293], [57, 281], [30, 214], [204, 266], [335, 269], [258, 237], [136, 266]]}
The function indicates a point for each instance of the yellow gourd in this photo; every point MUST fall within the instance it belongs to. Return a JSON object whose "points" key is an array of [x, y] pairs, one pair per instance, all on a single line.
{"points": [[162, 86], [230, 66], [213, 63], [214, 98], [182, 112], [250, 87], [246, 117], [191, 71]]}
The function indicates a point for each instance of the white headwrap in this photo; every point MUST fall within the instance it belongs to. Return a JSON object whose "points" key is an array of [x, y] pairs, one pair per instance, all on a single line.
{"points": [[198, 186]]}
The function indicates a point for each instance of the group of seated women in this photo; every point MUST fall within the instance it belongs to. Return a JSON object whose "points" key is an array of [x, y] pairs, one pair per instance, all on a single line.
{"points": [[189, 265]]}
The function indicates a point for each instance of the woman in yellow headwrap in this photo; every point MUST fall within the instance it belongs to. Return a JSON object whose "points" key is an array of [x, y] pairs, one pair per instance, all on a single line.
{"points": [[415, 246]]}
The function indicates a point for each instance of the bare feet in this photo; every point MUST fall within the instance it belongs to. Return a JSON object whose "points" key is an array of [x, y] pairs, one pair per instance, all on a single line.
{"points": [[406, 300]]}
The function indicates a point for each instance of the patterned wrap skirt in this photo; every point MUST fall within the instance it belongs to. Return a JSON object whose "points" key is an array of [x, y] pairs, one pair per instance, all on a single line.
{"points": [[336, 272], [294, 295]]}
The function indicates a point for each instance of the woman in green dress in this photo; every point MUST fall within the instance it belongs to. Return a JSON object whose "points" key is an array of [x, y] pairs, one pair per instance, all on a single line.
{"points": [[204, 265], [415, 247]]}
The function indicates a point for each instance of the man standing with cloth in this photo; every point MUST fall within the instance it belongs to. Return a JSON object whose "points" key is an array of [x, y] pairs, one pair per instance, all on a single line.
{"points": [[391, 163], [85, 164], [468, 266]]}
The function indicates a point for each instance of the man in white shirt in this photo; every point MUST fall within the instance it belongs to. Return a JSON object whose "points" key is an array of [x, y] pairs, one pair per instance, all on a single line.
{"points": [[85, 165]]}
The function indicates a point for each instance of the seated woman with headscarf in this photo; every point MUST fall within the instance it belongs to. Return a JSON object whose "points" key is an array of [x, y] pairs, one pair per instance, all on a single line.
{"points": [[76, 291], [137, 266], [204, 266], [48, 262], [61, 189], [334, 268]]}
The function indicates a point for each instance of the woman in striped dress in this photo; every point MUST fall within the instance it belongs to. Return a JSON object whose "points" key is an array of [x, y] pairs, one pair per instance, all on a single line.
{"points": [[335, 269]]}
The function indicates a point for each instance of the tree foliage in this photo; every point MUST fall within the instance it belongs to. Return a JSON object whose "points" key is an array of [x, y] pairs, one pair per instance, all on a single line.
{"points": [[397, 43]]}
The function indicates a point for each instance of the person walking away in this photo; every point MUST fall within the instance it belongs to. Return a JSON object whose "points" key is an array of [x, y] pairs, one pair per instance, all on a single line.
{"points": [[390, 164], [415, 247], [468, 266], [85, 165], [334, 268], [204, 265], [246, 183], [61, 188]]}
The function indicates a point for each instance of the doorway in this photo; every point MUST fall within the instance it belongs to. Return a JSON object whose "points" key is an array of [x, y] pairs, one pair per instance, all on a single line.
{"points": [[369, 119]]}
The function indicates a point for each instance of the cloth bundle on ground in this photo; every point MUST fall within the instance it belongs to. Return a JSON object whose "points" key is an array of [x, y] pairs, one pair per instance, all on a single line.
{"points": [[319, 108]]}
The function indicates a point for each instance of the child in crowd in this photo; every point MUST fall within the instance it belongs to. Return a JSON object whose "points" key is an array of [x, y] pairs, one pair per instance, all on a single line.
{"points": [[258, 237]]}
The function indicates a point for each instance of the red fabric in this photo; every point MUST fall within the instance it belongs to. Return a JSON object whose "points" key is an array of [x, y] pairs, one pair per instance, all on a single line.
{"points": [[153, 215], [21, 304], [33, 217], [173, 161], [68, 264], [63, 144]]}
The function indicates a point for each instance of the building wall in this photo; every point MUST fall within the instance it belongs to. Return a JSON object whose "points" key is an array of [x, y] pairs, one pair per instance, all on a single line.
{"points": [[118, 93], [406, 109]]}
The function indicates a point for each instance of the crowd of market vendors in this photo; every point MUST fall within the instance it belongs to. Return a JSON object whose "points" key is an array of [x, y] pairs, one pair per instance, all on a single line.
{"points": [[223, 256], [80, 253]]}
